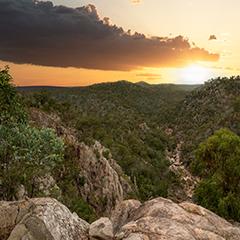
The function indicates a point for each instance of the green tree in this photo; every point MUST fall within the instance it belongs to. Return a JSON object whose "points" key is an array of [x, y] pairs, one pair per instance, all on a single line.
{"points": [[218, 163], [26, 153], [11, 109]]}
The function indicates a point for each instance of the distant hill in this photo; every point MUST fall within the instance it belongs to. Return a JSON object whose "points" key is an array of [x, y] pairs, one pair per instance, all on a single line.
{"points": [[154, 101]]}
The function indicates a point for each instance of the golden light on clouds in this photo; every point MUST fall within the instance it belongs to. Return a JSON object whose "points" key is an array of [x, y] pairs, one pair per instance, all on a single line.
{"points": [[98, 41]]}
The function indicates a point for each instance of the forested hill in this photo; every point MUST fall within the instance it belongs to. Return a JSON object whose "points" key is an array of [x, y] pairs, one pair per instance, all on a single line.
{"points": [[206, 109], [129, 119], [153, 101]]}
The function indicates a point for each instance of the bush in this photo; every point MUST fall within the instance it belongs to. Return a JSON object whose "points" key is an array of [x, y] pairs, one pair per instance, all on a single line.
{"points": [[218, 163], [25, 154]]}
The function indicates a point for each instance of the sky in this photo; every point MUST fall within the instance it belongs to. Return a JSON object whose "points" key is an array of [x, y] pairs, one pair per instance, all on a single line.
{"points": [[85, 42]]}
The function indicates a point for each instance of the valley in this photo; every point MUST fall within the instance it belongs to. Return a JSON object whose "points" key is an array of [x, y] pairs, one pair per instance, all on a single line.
{"points": [[108, 143]]}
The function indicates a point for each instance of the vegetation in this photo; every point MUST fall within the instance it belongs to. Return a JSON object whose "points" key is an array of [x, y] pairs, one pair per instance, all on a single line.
{"points": [[213, 106], [23, 149], [123, 118], [218, 163], [69, 180], [28, 153], [11, 109], [130, 120]]}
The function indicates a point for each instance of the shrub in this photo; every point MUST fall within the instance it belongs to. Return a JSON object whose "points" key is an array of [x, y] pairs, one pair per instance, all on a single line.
{"points": [[218, 163], [26, 153]]}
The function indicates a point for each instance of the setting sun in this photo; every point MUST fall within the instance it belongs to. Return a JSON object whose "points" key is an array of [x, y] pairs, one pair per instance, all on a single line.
{"points": [[195, 74]]}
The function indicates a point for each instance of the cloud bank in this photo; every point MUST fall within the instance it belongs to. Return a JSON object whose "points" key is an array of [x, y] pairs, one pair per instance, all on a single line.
{"points": [[40, 33]]}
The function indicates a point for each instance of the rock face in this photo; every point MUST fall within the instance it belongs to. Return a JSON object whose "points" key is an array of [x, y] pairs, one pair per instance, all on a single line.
{"points": [[163, 219], [40, 219], [104, 181], [103, 186]]}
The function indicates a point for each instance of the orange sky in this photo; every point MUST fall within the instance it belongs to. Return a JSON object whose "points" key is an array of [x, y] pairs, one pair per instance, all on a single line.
{"points": [[195, 20]]}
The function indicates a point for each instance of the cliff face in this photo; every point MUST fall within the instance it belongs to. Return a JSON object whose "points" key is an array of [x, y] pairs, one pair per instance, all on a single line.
{"points": [[103, 186], [103, 181], [157, 219]]}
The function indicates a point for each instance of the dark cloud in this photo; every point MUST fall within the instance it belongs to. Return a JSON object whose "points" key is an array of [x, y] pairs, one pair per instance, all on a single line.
{"points": [[40, 33], [212, 37]]}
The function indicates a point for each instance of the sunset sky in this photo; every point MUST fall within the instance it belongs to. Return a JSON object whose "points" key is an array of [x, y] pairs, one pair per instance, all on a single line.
{"points": [[157, 41]]}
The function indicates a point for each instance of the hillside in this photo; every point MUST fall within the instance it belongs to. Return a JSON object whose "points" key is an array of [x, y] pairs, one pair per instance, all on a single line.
{"points": [[134, 120], [127, 118], [205, 110], [147, 100]]}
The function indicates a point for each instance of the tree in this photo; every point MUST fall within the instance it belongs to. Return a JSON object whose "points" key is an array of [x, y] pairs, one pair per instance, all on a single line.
{"points": [[26, 153], [218, 163], [11, 109]]}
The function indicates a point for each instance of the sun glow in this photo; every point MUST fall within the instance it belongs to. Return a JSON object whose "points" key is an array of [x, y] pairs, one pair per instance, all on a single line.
{"points": [[195, 74]]}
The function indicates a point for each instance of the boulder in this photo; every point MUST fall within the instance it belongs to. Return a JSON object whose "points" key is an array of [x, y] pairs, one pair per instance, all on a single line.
{"points": [[40, 219], [101, 229], [156, 219], [162, 219]]}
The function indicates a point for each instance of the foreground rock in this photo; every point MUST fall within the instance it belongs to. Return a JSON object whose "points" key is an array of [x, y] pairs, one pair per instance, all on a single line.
{"points": [[165, 220], [157, 219], [40, 218]]}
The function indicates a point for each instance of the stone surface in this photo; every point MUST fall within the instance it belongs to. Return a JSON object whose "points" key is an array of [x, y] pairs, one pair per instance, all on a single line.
{"points": [[101, 229], [122, 212], [162, 219], [103, 186], [40, 219], [157, 219]]}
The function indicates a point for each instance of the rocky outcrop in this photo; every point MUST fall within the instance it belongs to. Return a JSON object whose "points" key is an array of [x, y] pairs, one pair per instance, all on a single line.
{"points": [[103, 187], [104, 183], [187, 181], [165, 220], [157, 219], [40, 218]]}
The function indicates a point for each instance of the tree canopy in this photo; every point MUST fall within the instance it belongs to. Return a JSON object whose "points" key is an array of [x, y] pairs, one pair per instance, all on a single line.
{"points": [[218, 162]]}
